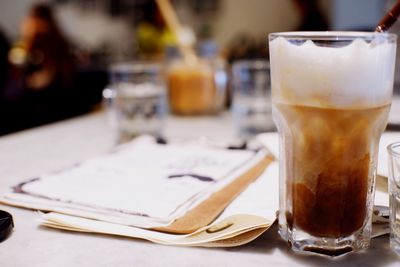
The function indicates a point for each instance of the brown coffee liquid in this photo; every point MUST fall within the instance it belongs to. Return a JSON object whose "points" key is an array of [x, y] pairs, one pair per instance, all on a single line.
{"points": [[332, 165]]}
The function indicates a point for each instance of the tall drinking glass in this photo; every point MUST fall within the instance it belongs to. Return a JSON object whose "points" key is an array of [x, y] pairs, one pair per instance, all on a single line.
{"points": [[331, 95]]}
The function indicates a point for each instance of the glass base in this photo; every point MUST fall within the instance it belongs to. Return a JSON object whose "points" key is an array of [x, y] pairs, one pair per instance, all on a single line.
{"points": [[304, 243], [395, 245]]}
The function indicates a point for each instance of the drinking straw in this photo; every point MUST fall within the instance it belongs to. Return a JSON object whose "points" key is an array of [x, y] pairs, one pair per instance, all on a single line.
{"points": [[389, 19], [169, 14]]}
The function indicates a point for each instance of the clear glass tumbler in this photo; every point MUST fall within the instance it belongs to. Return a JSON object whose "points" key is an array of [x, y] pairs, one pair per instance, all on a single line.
{"points": [[331, 95], [136, 99], [394, 193], [251, 103]]}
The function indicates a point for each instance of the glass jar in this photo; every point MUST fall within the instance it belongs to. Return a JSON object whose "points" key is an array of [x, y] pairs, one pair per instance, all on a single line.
{"points": [[196, 88]]}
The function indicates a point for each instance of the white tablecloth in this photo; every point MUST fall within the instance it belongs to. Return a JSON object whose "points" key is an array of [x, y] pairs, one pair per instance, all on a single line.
{"points": [[40, 150]]}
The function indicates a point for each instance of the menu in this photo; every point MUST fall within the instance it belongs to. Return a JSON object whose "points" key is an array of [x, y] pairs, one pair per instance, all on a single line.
{"points": [[155, 191]]}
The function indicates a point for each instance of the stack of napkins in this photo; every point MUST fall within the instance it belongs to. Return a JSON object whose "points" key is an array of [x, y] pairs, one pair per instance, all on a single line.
{"points": [[170, 194]]}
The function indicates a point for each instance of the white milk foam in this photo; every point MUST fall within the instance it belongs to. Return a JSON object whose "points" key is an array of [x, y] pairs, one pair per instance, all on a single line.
{"points": [[354, 76]]}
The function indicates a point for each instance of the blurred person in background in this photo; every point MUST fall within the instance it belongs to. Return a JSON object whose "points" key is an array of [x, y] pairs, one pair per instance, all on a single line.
{"points": [[311, 16], [43, 73], [49, 62], [4, 77], [245, 46], [4, 63]]}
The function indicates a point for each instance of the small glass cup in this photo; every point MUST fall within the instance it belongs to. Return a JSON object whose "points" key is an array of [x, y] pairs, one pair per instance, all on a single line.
{"points": [[331, 95], [394, 195], [197, 88], [251, 104], [135, 99]]}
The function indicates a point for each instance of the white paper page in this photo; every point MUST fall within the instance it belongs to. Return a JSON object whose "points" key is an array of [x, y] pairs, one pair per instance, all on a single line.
{"points": [[383, 163], [261, 198], [142, 178]]}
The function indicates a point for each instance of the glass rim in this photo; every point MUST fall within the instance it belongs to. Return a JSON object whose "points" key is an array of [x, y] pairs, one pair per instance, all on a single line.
{"points": [[333, 35], [135, 67], [258, 63], [391, 149]]}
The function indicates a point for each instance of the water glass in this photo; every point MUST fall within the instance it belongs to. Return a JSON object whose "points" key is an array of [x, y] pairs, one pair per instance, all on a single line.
{"points": [[251, 104], [394, 193], [135, 99]]}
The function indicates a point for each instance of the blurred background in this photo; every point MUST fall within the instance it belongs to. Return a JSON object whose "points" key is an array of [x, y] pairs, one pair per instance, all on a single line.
{"points": [[54, 55]]}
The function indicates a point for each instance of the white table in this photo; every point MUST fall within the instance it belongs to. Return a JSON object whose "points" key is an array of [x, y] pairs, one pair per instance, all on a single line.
{"points": [[44, 149]]}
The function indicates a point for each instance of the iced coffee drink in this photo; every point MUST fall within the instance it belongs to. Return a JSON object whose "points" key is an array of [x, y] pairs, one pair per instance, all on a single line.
{"points": [[331, 94]]}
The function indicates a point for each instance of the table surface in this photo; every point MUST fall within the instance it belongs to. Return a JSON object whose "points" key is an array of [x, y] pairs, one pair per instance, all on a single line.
{"points": [[40, 150]]}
